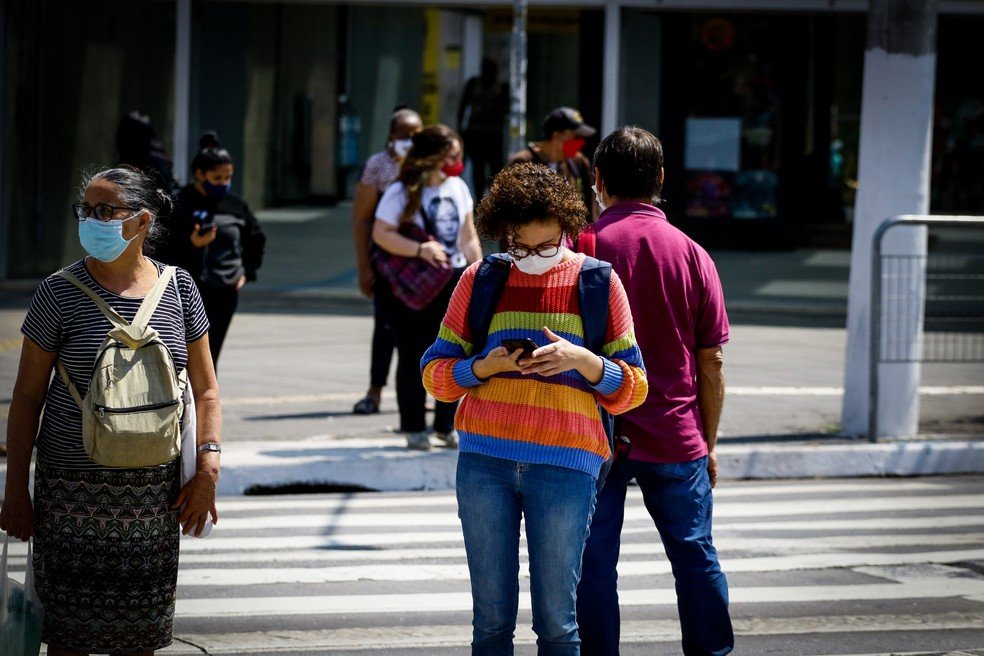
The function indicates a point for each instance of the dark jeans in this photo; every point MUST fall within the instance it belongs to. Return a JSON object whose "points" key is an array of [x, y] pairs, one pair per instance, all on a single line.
{"points": [[220, 304], [415, 331], [678, 497], [383, 339]]}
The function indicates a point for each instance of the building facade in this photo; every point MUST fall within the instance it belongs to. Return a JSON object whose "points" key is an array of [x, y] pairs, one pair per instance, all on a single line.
{"points": [[757, 101]]}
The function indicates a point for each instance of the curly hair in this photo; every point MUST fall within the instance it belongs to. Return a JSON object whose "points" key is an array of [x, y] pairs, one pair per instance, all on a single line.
{"points": [[529, 193]]}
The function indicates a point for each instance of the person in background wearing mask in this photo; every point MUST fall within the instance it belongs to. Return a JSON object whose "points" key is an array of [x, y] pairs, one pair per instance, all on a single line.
{"points": [[379, 172], [106, 539], [214, 235], [431, 170], [564, 135], [532, 442]]}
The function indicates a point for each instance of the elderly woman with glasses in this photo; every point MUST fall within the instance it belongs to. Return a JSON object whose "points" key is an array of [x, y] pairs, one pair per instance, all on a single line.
{"points": [[106, 538], [531, 440]]}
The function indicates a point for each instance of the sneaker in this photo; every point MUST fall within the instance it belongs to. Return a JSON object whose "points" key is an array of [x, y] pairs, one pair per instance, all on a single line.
{"points": [[419, 441], [450, 439]]}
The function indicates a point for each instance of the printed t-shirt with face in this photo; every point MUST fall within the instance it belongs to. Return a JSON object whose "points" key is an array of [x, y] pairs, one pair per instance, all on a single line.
{"points": [[446, 206]]}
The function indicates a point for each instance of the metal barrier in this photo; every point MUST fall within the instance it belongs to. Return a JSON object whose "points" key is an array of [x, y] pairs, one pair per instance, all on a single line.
{"points": [[951, 290]]}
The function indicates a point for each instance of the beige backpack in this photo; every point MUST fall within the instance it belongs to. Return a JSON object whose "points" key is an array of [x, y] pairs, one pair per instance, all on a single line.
{"points": [[131, 414]]}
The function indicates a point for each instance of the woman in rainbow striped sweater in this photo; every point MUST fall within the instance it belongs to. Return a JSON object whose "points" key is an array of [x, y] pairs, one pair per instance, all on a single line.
{"points": [[531, 439]]}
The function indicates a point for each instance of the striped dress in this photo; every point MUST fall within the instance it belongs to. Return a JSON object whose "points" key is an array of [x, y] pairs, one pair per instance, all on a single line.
{"points": [[105, 539], [532, 418]]}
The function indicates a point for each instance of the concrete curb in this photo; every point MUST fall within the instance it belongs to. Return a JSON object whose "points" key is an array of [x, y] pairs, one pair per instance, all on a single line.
{"points": [[385, 464]]}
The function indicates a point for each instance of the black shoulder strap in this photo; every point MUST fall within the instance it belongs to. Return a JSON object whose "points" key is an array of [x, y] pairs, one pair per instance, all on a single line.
{"points": [[490, 280]]}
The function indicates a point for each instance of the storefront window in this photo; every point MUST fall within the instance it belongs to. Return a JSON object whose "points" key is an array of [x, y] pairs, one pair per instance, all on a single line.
{"points": [[733, 110]]}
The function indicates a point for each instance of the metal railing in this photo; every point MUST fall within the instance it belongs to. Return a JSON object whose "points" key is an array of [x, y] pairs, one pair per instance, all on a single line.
{"points": [[950, 289]]}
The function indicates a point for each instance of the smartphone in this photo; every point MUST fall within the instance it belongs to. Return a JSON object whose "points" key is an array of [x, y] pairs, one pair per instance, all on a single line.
{"points": [[528, 346], [205, 222]]}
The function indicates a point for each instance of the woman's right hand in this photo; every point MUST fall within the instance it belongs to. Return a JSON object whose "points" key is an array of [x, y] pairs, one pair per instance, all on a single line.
{"points": [[17, 515], [497, 361], [199, 240], [433, 253]]}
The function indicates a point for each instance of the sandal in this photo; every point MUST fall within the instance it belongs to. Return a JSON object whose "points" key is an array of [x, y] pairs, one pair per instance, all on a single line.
{"points": [[366, 406]]}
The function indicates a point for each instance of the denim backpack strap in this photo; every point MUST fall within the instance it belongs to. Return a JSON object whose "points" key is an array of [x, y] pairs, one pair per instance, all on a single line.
{"points": [[490, 280], [593, 292]]}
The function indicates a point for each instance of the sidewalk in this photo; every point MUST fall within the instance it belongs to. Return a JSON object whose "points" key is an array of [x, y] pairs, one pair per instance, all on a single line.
{"points": [[296, 360]]}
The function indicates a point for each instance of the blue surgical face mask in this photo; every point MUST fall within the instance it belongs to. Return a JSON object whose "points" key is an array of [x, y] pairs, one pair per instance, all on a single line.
{"points": [[104, 240], [218, 192]]}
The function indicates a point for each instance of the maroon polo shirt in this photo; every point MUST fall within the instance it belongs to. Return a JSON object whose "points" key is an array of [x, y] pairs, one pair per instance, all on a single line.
{"points": [[677, 307]]}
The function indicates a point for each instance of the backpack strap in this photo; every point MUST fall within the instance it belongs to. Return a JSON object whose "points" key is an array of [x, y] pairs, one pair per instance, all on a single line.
{"points": [[490, 280], [593, 292], [153, 298]]}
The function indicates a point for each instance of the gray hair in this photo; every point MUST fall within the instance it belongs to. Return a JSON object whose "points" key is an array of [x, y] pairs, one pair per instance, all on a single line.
{"points": [[137, 189]]}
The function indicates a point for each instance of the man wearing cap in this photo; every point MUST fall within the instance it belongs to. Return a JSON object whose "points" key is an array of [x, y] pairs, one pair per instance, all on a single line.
{"points": [[564, 134]]}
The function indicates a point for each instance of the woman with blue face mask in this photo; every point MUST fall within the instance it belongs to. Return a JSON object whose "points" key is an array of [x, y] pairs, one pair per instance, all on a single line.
{"points": [[214, 235], [106, 538]]}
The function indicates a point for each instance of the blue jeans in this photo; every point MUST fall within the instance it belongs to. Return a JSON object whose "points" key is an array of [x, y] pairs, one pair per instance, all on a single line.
{"points": [[678, 497], [493, 494]]}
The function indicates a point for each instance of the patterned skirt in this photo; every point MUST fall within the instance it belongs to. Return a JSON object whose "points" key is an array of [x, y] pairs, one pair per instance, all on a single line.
{"points": [[106, 557]]}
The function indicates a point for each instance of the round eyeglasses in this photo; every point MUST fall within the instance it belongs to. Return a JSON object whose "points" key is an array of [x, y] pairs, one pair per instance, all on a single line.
{"points": [[518, 251]]}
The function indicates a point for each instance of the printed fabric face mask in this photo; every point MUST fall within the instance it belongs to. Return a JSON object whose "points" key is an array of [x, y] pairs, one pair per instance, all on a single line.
{"points": [[536, 265], [104, 240], [401, 147], [218, 192]]}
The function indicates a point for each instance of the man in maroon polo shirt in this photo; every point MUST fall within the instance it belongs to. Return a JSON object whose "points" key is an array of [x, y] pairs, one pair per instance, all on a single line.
{"points": [[681, 324]]}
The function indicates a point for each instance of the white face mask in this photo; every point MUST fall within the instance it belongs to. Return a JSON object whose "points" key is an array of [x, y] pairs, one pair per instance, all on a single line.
{"points": [[401, 146], [597, 194], [536, 265]]}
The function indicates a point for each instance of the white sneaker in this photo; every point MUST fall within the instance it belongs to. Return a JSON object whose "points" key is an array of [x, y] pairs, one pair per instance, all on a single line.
{"points": [[450, 439], [419, 441]]}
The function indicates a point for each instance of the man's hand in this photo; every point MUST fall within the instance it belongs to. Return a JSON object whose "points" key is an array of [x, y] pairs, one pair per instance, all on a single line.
{"points": [[712, 467]]}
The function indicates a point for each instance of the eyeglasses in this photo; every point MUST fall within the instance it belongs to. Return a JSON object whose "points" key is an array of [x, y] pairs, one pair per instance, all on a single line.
{"points": [[102, 211], [518, 251]]}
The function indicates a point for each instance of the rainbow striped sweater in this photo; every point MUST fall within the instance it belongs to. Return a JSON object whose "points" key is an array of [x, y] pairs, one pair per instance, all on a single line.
{"points": [[531, 418]]}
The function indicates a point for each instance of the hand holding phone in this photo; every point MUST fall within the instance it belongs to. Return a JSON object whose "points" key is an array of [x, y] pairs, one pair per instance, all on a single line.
{"points": [[527, 345]]}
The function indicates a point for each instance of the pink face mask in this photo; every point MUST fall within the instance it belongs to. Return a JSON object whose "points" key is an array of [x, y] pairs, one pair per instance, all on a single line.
{"points": [[573, 146], [452, 170]]}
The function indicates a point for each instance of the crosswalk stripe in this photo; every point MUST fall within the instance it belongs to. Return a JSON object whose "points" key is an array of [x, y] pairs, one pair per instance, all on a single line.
{"points": [[276, 606], [727, 546], [444, 498], [233, 577], [722, 512], [632, 632]]}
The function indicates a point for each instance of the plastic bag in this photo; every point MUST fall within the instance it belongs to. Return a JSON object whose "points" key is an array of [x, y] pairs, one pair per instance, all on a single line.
{"points": [[20, 610]]}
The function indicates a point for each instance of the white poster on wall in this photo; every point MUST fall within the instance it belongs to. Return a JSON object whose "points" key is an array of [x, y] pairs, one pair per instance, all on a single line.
{"points": [[713, 144]]}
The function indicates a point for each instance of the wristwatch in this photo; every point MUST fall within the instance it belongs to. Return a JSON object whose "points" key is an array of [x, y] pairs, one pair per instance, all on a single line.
{"points": [[209, 446]]}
